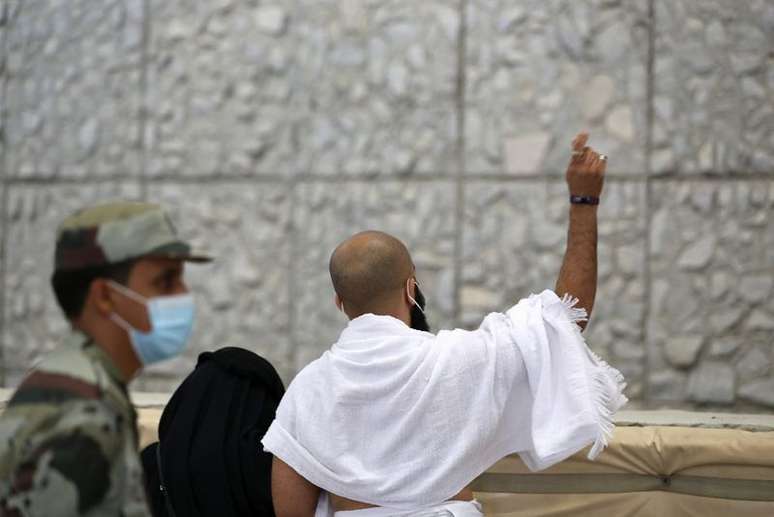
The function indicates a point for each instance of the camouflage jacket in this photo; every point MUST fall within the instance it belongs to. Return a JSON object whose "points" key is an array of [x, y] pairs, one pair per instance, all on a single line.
{"points": [[68, 439]]}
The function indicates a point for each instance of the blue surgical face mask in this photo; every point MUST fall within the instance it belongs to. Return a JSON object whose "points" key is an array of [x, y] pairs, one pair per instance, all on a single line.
{"points": [[171, 319]]}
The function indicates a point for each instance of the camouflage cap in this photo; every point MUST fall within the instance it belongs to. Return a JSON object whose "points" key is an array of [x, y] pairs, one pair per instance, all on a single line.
{"points": [[116, 232]]}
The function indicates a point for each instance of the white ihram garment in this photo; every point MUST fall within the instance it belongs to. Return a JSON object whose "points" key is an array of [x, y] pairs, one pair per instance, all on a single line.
{"points": [[449, 509], [405, 419]]}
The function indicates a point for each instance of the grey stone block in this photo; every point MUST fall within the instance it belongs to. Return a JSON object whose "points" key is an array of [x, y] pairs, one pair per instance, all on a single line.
{"points": [[713, 383], [379, 82], [667, 385], [360, 142], [5, 14], [760, 392], [710, 256], [3, 268], [712, 81], [682, 351], [538, 73], [755, 363], [33, 323], [73, 88], [421, 214], [397, 51], [222, 94], [307, 87]]}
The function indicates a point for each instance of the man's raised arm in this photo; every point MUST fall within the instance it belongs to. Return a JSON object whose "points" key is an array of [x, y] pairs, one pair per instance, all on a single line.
{"points": [[585, 176]]}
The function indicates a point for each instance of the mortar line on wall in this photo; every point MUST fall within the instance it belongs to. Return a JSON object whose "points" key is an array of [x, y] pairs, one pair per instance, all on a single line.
{"points": [[459, 205], [143, 118], [292, 271], [291, 183], [647, 274], [292, 268], [423, 178], [5, 16]]}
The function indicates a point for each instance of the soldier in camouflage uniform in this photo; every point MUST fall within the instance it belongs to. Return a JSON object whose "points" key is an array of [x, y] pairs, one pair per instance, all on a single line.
{"points": [[68, 438]]}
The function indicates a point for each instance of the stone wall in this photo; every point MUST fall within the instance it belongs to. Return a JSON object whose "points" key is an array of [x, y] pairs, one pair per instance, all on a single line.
{"points": [[276, 129]]}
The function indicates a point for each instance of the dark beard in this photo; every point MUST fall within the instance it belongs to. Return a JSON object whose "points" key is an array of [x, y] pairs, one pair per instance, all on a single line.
{"points": [[418, 319]]}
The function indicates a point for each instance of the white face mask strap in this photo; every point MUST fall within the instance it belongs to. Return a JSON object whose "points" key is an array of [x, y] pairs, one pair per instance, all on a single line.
{"points": [[118, 320], [121, 322], [128, 292], [412, 299]]}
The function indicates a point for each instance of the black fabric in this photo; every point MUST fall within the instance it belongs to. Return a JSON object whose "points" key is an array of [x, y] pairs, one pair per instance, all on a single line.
{"points": [[211, 456], [418, 319], [152, 481]]}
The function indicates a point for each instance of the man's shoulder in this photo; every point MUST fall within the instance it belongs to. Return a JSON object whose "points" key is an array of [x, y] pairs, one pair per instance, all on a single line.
{"points": [[61, 453], [66, 389], [62, 375], [61, 394], [60, 407]]}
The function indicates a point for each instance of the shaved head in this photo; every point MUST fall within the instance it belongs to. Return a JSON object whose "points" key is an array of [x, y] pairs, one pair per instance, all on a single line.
{"points": [[369, 271]]}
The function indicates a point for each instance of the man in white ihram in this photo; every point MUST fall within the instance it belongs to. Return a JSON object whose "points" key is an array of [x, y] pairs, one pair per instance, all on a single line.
{"points": [[396, 421]]}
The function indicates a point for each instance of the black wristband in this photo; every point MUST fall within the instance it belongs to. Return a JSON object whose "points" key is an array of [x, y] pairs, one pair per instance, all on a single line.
{"points": [[584, 200]]}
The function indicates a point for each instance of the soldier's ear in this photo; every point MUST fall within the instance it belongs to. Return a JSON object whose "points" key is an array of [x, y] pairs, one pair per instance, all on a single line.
{"points": [[101, 296]]}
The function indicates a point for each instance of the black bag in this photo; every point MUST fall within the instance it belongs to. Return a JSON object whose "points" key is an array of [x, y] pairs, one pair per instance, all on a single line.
{"points": [[209, 459]]}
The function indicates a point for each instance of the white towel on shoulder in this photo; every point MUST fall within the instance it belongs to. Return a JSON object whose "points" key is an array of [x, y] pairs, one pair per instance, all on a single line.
{"points": [[405, 419]]}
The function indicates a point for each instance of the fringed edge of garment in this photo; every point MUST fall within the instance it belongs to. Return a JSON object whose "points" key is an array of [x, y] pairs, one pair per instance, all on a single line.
{"points": [[574, 314], [607, 383]]}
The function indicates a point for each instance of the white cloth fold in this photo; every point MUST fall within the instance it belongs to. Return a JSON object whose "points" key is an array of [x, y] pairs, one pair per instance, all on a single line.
{"points": [[448, 509], [405, 419]]}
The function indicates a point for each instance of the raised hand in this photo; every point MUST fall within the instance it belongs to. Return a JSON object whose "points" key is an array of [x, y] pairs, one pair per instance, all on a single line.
{"points": [[586, 171], [585, 176]]}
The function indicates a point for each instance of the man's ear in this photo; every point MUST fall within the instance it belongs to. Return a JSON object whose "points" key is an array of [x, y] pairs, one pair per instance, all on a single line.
{"points": [[100, 296], [410, 292], [337, 301]]}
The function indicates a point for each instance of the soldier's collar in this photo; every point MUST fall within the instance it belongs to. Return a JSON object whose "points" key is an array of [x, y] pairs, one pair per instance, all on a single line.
{"points": [[77, 339], [84, 342]]}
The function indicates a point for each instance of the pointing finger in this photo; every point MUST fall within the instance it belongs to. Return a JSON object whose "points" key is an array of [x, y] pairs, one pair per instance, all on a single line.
{"points": [[580, 141]]}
